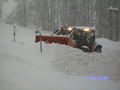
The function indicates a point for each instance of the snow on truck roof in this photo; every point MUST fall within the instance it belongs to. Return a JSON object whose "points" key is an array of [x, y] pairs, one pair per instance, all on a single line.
{"points": [[84, 27]]}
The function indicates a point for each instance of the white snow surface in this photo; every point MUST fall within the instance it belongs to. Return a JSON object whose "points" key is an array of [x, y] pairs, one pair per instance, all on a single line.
{"points": [[59, 67], [75, 62]]}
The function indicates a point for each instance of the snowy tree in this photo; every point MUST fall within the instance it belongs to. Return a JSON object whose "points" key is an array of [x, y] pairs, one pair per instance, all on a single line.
{"points": [[108, 20], [0, 9], [1, 4], [51, 14], [21, 16]]}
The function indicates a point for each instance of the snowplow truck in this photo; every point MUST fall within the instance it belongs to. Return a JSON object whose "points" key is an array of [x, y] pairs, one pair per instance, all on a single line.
{"points": [[81, 37]]}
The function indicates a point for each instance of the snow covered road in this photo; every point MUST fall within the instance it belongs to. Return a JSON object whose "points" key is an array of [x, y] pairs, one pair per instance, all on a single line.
{"points": [[59, 67]]}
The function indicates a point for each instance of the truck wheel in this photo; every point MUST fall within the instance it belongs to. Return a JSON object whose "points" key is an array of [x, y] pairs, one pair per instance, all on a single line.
{"points": [[85, 49], [98, 49]]}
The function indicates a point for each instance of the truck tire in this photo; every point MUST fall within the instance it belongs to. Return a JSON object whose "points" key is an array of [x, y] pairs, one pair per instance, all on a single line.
{"points": [[98, 49]]}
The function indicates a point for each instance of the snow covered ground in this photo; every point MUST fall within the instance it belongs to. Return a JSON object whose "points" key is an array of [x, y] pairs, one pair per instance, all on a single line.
{"points": [[75, 62], [59, 67]]}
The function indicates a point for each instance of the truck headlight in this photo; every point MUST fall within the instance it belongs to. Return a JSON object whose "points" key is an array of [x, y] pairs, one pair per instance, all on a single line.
{"points": [[69, 28], [86, 29]]}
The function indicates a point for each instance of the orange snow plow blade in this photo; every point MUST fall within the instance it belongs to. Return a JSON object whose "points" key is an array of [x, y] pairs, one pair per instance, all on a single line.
{"points": [[55, 39]]}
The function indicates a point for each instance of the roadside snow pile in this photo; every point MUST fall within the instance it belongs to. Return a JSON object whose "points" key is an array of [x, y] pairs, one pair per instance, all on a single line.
{"points": [[75, 62], [23, 67]]}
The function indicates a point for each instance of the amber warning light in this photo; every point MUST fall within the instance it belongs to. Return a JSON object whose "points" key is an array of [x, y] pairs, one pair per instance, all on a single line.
{"points": [[86, 29]]}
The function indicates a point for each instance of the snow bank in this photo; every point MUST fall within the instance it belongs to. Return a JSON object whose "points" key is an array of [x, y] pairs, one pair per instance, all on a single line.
{"points": [[108, 44], [23, 67], [75, 62]]}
